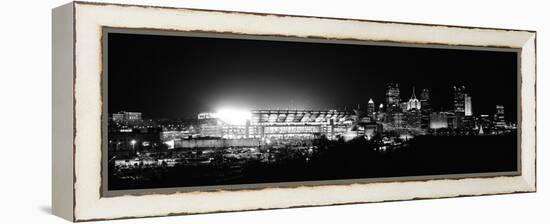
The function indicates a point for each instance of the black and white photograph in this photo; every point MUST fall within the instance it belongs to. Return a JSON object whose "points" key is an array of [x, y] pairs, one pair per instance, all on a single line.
{"points": [[275, 112], [202, 110]]}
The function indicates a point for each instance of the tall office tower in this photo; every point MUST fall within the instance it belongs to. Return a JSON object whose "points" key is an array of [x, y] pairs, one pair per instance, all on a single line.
{"points": [[413, 104], [499, 117], [459, 93], [468, 105], [425, 99], [413, 119], [370, 108], [392, 95], [425, 109], [403, 106], [468, 121]]}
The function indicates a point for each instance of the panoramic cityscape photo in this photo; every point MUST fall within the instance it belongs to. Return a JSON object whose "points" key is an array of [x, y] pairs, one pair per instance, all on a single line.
{"points": [[207, 111]]}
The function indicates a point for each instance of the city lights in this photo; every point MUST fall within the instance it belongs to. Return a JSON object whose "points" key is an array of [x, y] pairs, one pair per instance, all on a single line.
{"points": [[233, 116], [260, 139]]}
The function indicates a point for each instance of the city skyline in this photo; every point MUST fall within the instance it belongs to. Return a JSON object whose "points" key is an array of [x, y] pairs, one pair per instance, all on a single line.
{"points": [[462, 105], [277, 80]]}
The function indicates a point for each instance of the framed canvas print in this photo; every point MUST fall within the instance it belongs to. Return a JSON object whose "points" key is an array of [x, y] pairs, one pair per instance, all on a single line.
{"points": [[165, 111]]}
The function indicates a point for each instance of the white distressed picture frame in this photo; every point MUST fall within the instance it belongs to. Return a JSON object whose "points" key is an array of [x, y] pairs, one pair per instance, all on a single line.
{"points": [[77, 110]]}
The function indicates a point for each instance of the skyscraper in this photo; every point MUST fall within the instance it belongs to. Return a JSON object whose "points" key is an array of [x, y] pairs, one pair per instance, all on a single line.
{"points": [[468, 122], [403, 106], [425, 99], [370, 108], [499, 117], [413, 104], [425, 108], [459, 93], [392, 95], [468, 105]]}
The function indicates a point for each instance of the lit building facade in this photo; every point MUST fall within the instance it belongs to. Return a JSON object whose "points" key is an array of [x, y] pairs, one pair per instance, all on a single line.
{"points": [[173, 135], [371, 112], [454, 121], [438, 120], [484, 122], [392, 95], [458, 102], [500, 122], [413, 120], [283, 124], [425, 108], [468, 105], [126, 141], [414, 103], [207, 115], [370, 129], [403, 106], [126, 117], [396, 121]]}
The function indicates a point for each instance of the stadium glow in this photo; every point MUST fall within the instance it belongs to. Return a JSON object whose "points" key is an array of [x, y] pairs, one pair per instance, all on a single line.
{"points": [[233, 116]]}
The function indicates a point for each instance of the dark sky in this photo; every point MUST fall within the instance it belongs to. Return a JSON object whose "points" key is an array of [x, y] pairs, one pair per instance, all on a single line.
{"points": [[178, 77]]}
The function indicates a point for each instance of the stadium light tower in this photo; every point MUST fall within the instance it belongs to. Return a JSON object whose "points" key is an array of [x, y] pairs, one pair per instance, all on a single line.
{"points": [[234, 116]]}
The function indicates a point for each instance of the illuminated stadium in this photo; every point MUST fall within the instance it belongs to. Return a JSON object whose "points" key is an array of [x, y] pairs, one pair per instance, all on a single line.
{"points": [[276, 124]]}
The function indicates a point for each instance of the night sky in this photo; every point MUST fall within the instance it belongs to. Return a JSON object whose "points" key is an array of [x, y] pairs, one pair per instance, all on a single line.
{"points": [[178, 77]]}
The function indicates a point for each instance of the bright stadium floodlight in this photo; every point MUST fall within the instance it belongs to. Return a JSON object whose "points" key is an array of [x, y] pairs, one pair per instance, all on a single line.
{"points": [[233, 116]]}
